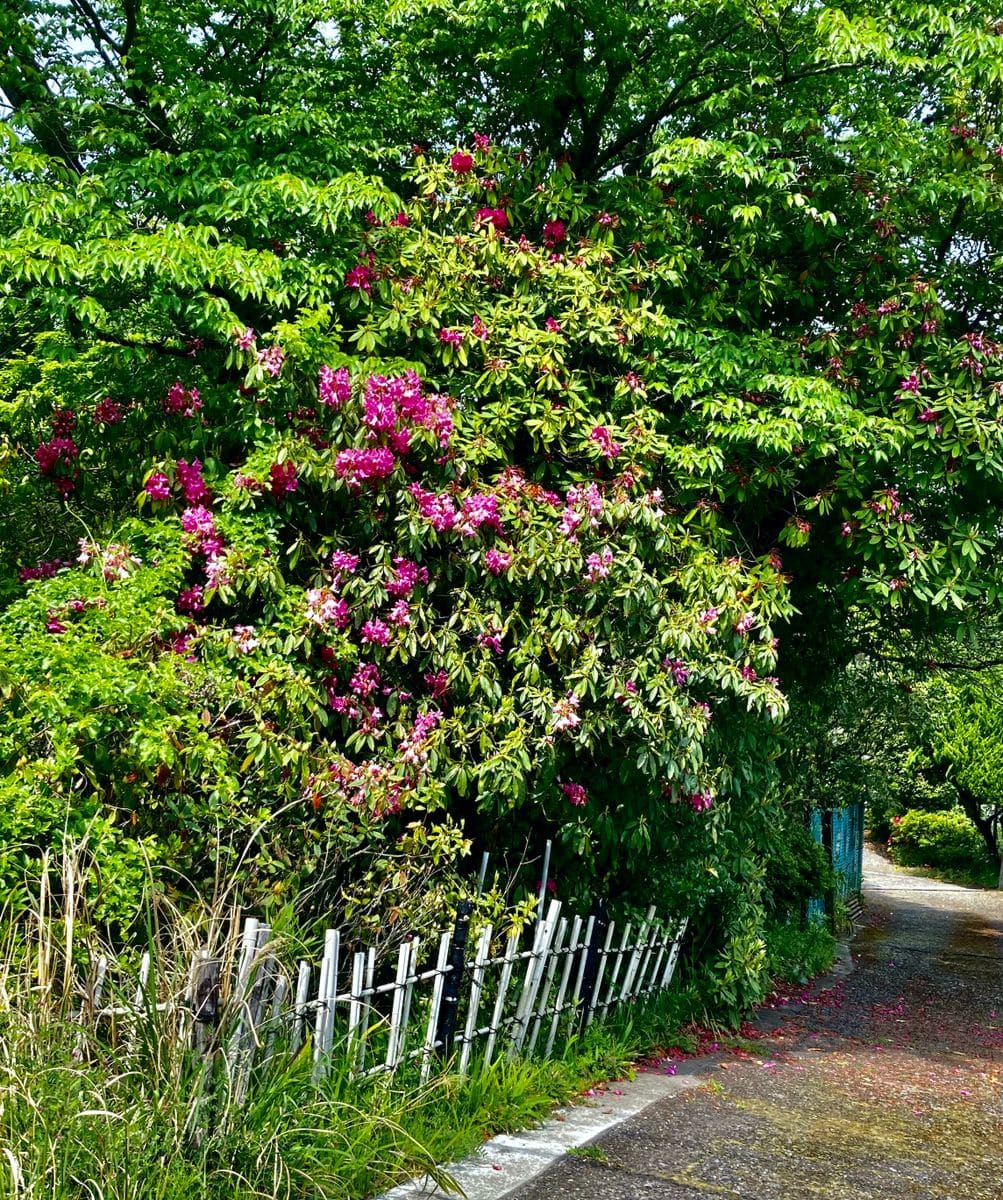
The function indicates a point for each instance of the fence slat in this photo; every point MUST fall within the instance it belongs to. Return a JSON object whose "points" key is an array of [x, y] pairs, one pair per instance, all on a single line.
{"points": [[511, 949], [433, 1015], [562, 987], [547, 984], [474, 1004]]}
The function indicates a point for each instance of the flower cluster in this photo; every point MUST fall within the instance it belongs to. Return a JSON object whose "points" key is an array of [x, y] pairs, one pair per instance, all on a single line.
{"points": [[334, 387], [181, 401], [604, 440], [575, 793], [565, 713], [597, 565], [117, 561]]}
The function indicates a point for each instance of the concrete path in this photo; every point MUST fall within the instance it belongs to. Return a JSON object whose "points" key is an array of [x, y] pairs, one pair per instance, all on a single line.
{"points": [[883, 1081]]}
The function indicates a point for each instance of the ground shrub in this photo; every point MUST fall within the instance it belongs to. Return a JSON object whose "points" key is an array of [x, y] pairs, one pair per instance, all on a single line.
{"points": [[936, 839], [797, 951], [797, 869]]}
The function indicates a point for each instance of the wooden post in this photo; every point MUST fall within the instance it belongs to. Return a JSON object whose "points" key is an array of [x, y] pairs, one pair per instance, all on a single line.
{"points": [[451, 989]]}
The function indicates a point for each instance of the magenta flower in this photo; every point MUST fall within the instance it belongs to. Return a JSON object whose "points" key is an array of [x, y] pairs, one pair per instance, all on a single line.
{"points": [[491, 641], [284, 477], [334, 387], [406, 577], [400, 613], [245, 338], [678, 669], [365, 679], [928, 416], [53, 625], [552, 326], [746, 624], [356, 466], [437, 683], [478, 511], [158, 486], [479, 329], [108, 412], [360, 279], [343, 563], [482, 142], [495, 218], [451, 337], [598, 565], [575, 793], [554, 233], [462, 162], [376, 631], [497, 561], [245, 638], [190, 600], [604, 440], [191, 481], [181, 401], [701, 801]]}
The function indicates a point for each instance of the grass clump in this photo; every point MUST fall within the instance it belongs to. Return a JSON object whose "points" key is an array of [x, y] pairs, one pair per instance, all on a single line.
{"points": [[797, 952]]}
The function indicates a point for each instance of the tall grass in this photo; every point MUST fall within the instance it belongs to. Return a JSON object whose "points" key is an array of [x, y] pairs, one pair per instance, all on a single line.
{"points": [[99, 1106]]}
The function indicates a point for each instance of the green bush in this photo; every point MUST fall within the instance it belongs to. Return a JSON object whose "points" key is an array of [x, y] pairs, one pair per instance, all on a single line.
{"points": [[796, 953], [936, 839], [796, 870]]}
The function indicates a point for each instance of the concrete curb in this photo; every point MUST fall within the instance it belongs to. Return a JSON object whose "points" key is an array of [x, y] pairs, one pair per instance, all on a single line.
{"points": [[508, 1161]]}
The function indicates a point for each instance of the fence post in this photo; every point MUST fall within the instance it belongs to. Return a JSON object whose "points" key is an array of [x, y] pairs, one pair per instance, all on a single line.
{"points": [[446, 1031], [830, 892], [593, 953]]}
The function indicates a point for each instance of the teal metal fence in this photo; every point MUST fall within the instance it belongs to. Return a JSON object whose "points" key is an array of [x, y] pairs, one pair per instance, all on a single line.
{"points": [[844, 839]]}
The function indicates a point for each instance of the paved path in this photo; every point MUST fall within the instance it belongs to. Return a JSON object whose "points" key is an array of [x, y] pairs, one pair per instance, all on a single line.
{"points": [[886, 1082]]}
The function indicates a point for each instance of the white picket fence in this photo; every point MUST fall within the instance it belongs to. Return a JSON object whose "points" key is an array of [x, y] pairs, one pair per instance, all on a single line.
{"points": [[510, 997]]}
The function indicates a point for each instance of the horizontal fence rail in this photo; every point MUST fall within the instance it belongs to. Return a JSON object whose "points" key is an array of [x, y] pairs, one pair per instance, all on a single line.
{"points": [[447, 998]]}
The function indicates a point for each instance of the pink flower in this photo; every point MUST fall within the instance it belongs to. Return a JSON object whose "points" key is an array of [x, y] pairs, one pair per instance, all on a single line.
{"points": [[199, 521], [190, 600], [497, 561], [53, 625], [707, 619], [108, 411], [356, 466], [191, 481], [496, 218], [701, 801], [575, 793], [245, 338], [928, 416], [552, 326], [406, 577], [324, 608], [158, 486], [461, 162], [604, 440], [401, 220], [272, 359], [400, 613], [554, 233], [479, 329], [491, 641], [482, 142], [343, 563], [910, 384], [181, 401], [438, 510], [746, 624], [360, 279], [565, 713], [598, 565], [451, 337], [377, 632], [284, 477], [478, 511], [334, 387], [379, 411], [365, 679]]}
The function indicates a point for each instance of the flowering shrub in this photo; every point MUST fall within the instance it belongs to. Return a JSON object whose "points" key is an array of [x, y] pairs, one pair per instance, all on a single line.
{"points": [[936, 839], [496, 530]]}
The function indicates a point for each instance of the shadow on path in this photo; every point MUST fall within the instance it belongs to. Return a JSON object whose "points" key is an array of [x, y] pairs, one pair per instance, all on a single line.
{"points": [[879, 1082]]}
